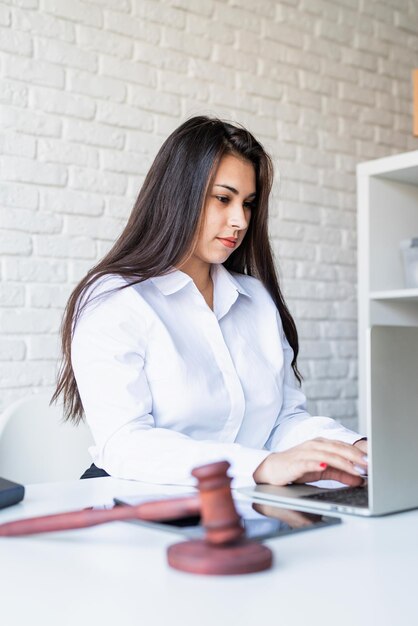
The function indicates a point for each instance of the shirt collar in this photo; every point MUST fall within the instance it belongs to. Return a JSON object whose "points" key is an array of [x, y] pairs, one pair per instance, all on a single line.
{"points": [[226, 287], [171, 282], [221, 275], [226, 290]]}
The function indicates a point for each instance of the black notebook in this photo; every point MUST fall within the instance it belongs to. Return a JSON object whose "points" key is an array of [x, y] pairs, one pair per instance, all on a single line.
{"points": [[10, 493]]}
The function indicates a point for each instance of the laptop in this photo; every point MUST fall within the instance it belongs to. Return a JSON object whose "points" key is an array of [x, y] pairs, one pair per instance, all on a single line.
{"points": [[392, 398]]}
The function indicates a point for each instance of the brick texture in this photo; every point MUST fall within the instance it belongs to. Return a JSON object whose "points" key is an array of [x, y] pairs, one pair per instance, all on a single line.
{"points": [[90, 88]]}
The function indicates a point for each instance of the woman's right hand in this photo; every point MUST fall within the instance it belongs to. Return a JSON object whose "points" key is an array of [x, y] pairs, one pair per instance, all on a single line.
{"points": [[316, 459]]}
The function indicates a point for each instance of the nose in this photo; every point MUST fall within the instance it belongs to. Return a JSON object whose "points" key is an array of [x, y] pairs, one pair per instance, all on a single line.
{"points": [[237, 218]]}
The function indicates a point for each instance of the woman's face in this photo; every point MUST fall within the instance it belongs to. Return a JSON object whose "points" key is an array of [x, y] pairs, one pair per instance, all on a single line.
{"points": [[227, 210]]}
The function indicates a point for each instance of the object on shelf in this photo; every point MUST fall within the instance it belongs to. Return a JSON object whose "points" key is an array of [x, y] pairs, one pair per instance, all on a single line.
{"points": [[409, 249]]}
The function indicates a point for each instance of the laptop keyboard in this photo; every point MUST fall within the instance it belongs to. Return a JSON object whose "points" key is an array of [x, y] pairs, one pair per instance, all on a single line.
{"points": [[353, 496]]}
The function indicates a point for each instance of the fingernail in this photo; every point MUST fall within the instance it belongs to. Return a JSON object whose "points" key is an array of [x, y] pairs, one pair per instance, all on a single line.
{"points": [[366, 458], [324, 465], [360, 469]]}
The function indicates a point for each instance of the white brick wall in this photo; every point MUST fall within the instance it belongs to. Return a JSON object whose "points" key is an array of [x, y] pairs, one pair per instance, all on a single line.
{"points": [[90, 88]]}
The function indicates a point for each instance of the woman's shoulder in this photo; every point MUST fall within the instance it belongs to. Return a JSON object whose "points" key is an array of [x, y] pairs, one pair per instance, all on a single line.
{"points": [[110, 313], [111, 284], [106, 282], [112, 292], [112, 304], [102, 287]]}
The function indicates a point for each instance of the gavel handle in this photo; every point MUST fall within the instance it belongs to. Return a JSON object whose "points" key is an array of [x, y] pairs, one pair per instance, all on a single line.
{"points": [[155, 511]]}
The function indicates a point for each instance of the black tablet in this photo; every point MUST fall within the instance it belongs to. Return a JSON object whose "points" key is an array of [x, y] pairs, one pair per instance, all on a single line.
{"points": [[261, 521]]}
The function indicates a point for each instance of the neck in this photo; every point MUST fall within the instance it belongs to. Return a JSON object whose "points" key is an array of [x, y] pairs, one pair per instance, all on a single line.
{"points": [[200, 274]]}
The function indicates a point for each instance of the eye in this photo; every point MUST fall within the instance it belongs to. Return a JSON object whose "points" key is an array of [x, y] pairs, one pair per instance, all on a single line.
{"points": [[223, 199], [250, 205]]}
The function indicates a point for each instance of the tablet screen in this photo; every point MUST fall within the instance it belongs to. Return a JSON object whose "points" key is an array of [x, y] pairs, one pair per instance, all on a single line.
{"points": [[261, 521]]}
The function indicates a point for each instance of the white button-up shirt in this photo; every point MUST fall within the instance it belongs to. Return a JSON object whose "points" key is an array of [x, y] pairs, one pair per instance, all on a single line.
{"points": [[167, 384]]}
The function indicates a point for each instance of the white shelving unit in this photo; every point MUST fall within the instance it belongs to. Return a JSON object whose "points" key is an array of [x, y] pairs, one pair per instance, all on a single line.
{"points": [[387, 191]]}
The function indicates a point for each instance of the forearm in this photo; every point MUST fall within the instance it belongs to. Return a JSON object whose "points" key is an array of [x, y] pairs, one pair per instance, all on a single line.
{"points": [[296, 430], [166, 457]]}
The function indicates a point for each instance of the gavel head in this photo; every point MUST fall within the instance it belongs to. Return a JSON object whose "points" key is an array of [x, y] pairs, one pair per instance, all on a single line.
{"points": [[219, 515]]}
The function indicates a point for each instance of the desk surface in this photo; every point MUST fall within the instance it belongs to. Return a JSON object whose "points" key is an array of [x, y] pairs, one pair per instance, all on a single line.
{"points": [[363, 571]]}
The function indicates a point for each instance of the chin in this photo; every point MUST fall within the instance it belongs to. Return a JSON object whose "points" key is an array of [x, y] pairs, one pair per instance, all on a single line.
{"points": [[216, 256], [219, 258]]}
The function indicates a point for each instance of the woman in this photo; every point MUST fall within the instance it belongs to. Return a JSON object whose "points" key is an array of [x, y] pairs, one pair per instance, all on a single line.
{"points": [[178, 345]]}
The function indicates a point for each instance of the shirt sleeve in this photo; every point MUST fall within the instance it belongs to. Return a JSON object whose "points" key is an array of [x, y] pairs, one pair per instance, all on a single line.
{"points": [[108, 355], [294, 424]]}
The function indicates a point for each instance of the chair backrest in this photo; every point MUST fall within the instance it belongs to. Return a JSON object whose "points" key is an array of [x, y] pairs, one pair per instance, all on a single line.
{"points": [[37, 446]]}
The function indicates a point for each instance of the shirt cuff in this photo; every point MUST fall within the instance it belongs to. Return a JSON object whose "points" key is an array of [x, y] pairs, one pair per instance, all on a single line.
{"points": [[244, 465]]}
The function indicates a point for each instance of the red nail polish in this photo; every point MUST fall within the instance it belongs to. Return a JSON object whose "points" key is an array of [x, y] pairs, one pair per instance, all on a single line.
{"points": [[324, 465]]}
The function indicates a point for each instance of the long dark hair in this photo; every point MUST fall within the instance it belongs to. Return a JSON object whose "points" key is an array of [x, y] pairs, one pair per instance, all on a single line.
{"points": [[164, 224]]}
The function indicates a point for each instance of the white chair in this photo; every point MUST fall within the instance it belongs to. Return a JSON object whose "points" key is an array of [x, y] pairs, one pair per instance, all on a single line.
{"points": [[37, 446]]}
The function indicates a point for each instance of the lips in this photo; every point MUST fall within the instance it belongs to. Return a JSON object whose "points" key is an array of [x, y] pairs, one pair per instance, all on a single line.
{"points": [[228, 242]]}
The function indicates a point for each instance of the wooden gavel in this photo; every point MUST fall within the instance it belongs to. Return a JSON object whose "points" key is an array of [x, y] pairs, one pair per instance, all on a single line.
{"points": [[224, 549]]}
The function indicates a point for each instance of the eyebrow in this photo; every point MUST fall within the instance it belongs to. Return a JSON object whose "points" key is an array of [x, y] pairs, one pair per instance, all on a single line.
{"points": [[235, 191]]}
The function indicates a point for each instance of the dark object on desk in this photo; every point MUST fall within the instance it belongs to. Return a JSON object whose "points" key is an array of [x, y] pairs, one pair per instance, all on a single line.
{"points": [[10, 493], [94, 472], [224, 549]]}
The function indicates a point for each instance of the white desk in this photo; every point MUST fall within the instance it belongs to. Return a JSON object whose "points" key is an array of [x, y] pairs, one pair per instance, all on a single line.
{"points": [[361, 572]]}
